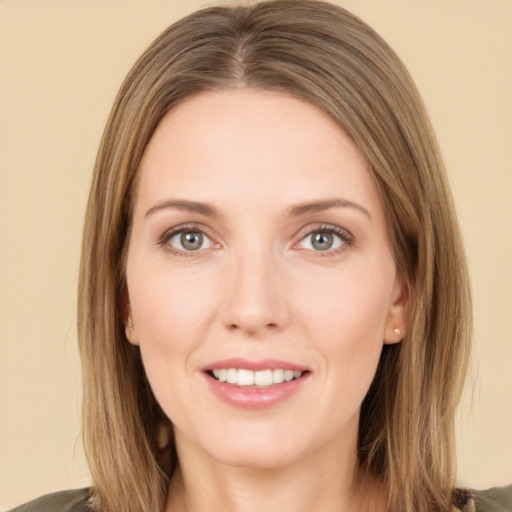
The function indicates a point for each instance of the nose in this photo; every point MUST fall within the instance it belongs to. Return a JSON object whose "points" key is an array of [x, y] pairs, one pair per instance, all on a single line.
{"points": [[256, 302]]}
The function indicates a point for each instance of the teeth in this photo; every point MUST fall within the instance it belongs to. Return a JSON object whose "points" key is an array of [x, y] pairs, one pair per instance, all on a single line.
{"points": [[221, 375], [232, 377], [262, 378], [245, 378], [277, 376]]}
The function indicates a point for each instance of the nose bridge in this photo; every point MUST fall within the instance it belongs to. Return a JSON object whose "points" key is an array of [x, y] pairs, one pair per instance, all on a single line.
{"points": [[255, 301]]}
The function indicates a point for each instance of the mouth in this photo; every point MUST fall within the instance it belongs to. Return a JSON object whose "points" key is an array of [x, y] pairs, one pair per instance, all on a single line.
{"points": [[255, 385], [242, 377]]}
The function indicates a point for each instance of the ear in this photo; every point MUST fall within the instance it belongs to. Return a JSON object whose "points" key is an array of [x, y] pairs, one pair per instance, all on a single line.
{"points": [[129, 328], [397, 320]]}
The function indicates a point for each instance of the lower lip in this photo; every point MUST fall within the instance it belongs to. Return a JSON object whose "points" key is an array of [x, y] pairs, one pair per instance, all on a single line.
{"points": [[255, 398]]}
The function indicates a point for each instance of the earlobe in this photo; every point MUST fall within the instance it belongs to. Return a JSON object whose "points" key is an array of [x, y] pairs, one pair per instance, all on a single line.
{"points": [[129, 329], [396, 323], [396, 336]]}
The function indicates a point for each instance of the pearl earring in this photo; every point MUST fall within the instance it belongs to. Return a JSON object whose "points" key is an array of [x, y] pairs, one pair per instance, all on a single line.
{"points": [[397, 332]]}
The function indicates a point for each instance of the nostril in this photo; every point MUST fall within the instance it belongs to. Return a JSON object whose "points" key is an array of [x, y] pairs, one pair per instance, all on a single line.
{"points": [[252, 329]]}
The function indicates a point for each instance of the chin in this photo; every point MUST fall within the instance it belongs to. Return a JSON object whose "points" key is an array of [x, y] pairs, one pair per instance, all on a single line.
{"points": [[258, 459], [255, 450]]}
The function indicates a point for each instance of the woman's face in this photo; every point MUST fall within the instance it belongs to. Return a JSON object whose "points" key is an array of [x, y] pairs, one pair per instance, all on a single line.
{"points": [[259, 254]]}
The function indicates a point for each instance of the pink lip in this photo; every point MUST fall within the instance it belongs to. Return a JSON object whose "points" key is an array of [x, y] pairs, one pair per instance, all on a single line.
{"points": [[255, 398], [265, 364]]}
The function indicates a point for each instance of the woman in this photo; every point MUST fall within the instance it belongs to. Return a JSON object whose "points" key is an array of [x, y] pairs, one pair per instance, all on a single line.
{"points": [[274, 305]]}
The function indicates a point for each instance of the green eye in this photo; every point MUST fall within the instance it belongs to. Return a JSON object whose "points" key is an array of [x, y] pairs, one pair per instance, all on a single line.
{"points": [[189, 241], [322, 241], [326, 239]]}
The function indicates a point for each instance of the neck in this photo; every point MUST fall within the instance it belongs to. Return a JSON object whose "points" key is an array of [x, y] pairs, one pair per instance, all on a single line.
{"points": [[321, 480]]}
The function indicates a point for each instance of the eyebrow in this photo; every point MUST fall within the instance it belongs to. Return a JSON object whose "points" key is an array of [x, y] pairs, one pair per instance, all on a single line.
{"points": [[318, 206], [294, 211], [185, 205]]}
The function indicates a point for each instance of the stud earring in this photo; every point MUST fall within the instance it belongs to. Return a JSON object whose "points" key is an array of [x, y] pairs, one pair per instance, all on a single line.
{"points": [[397, 332]]}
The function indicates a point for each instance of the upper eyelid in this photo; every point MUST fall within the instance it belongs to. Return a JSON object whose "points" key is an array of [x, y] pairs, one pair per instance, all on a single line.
{"points": [[169, 233], [333, 228]]}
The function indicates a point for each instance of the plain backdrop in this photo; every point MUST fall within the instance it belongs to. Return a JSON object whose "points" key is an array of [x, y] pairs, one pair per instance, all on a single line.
{"points": [[61, 63]]}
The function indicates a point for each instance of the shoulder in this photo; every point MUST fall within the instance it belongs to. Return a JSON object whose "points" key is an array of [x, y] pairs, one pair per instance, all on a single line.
{"points": [[496, 499], [75, 500]]}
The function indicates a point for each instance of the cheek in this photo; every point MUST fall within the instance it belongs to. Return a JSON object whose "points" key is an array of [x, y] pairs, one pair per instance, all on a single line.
{"points": [[170, 305], [345, 316], [349, 307], [171, 315]]}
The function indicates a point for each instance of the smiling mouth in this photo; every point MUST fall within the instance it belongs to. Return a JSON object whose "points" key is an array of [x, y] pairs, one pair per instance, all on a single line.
{"points": [[242, 377]]}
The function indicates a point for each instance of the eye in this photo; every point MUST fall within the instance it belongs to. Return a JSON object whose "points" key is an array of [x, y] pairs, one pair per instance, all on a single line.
{"points": [[188, 240], [325, 239]]}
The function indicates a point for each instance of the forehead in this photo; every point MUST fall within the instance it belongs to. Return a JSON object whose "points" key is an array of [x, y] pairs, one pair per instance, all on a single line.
{"points": [[271, 147]]}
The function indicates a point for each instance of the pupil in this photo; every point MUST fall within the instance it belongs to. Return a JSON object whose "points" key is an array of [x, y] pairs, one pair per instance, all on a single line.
{"points": [[192, 241], [322, 241]]}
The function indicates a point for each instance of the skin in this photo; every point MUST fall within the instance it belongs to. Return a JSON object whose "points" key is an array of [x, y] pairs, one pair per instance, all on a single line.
{"points": [[258, 288]]}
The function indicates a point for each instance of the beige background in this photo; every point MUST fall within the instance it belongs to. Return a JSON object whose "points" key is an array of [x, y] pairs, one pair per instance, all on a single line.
{"points": [[61, 63]]}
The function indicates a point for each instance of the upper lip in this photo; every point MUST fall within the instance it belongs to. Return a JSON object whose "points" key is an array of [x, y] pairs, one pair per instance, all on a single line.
{"points": [[262, 364]]}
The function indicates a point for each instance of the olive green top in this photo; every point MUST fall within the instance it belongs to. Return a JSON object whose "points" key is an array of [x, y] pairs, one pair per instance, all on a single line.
{"points": [[75, 500], [497, 499]]}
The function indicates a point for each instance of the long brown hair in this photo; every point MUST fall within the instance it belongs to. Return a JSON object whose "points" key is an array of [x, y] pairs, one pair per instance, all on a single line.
{"points": [[327, 56]]}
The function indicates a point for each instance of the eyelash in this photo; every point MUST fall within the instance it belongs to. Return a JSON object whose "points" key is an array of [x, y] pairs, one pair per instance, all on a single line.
{"points": [[346, 238]]}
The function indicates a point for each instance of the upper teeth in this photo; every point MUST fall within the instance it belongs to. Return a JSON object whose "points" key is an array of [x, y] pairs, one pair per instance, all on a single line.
{"points": [[242, 377]]}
